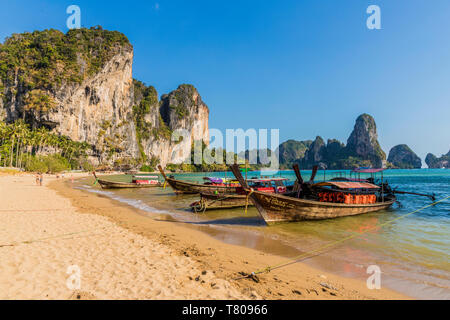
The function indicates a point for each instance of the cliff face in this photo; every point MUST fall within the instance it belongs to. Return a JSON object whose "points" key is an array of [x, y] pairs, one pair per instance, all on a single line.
{"points": [[403, 157], [362, 149], [291, 151], [316, 154], [434, 162], [80, 85], [363, 141], [181, 119]]}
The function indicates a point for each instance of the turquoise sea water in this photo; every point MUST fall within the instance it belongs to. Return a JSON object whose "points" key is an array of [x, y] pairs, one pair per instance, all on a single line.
{"points": [[413, 252]]}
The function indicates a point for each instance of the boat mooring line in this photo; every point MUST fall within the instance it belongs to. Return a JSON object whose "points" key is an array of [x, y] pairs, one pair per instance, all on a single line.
{"points": [[47, 238], [308, 254]]}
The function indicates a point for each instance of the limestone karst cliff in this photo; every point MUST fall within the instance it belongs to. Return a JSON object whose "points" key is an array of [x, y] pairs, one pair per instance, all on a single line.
{"points": [[290, 151], [402, 157], [80, 85], [362, 149], [168, 128], [363, 142], [434, 162]]}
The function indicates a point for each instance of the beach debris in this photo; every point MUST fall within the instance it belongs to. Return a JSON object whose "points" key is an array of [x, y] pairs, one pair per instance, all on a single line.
{"points": [[312, 290], [197, 279], [252, 276], [215, 286], [328, 286], [204, 272], [297, 292]]}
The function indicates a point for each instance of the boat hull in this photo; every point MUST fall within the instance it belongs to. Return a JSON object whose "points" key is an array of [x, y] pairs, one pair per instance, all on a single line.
{"points": [[274, 208], [194, 188], [123, 185], [215, 202]]}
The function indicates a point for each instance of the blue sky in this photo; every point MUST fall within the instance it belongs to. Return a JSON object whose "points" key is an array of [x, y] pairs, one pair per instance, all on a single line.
{"points": [[306, 67]]}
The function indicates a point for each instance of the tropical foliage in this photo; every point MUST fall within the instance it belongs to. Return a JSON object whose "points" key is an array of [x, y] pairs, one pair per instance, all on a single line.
{"points": [[145, 101], [45, 59], [26, 149]]}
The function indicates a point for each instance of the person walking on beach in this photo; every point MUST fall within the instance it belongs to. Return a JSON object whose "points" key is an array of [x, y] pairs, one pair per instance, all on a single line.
{"points": [[41, 178], [36, 176]]}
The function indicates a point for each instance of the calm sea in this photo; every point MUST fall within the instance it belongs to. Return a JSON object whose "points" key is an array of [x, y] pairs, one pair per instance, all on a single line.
{"points": [[413, 252]]}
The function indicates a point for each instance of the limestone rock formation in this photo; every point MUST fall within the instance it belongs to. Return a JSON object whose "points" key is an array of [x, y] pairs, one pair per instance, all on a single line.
{"points": [[291, 151], [80, 85], [363, 141], [362, 149], [402, 157], [434, 162], [316, 154], [176, 122]]}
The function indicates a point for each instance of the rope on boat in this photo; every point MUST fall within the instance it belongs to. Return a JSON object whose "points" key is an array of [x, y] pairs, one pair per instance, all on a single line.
{"points": [[203, 204], [246, 200], [309, 254]]}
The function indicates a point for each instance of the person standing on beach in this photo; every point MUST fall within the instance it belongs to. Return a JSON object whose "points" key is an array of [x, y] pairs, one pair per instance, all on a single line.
{"points": [[36, 176], [41, 178]]}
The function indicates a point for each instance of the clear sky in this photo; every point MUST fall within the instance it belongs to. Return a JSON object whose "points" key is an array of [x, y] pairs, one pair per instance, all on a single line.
{"points": [[306, 67]]}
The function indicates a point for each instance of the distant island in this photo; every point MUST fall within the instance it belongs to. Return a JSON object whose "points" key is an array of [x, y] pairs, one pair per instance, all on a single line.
{"points": [[434, 162]]}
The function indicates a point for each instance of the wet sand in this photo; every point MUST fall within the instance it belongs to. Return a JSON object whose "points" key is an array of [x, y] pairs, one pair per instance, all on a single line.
{"points": [[124, 254]]}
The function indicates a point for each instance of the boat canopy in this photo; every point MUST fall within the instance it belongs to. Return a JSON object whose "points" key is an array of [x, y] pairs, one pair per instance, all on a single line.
{"points": [[213, 180], [348, 179], [144, 177], [266, 179], [347, 185], [368, 170]]}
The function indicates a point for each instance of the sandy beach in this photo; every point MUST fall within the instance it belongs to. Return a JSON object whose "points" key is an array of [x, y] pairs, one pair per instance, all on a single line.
{"points": [[48, 232]]}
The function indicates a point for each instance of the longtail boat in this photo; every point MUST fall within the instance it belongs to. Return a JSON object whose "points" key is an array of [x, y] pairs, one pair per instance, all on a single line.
{"points": [[137, 182], [212, 201], [212, 185], [309, 201]]}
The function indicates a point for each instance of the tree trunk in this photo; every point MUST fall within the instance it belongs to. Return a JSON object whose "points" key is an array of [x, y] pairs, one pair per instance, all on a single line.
{"points": [[12, 152]]}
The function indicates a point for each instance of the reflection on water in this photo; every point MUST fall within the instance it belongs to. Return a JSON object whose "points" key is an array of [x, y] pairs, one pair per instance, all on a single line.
{"points": [[413, 252]]}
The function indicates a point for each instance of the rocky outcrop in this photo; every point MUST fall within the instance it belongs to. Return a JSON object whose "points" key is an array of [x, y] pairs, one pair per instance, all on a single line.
{"points": [[315, 155], [434, 162], [180, 120], [403, 157], [363, 141], [80, 85], [291, 151], [362, 149]]}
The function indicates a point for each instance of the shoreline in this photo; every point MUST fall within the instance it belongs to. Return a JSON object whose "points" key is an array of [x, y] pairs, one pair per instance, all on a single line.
{"points": [[213, 261], [228, 259]]}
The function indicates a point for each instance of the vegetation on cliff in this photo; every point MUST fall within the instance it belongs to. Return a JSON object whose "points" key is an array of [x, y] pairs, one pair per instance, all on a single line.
{"points": [[434, 162], [291, 151], [362, 149], [46, 59], [402, 157]]}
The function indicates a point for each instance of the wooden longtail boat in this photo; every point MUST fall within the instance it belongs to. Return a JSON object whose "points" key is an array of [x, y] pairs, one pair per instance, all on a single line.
{"points": [[303, 203], [186, 187], [210, 201], [106, 184]]}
